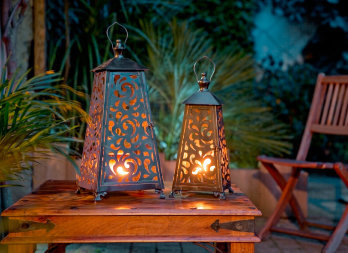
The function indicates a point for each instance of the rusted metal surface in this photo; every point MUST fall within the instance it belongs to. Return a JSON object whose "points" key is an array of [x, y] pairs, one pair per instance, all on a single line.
{"points": [[202, 163], [120, 151], [239, 225], [92, 146]]}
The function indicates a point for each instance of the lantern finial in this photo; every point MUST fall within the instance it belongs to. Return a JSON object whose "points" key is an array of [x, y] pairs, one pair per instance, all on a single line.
{"points": [[119, 46], [118, 49], [203, 82]]}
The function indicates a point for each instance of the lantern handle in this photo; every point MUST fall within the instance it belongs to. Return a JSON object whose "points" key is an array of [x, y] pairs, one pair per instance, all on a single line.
{"points": [[107, 33], [194, 67]]}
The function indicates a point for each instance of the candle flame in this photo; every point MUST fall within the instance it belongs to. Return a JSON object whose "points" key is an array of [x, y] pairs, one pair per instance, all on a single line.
{"points": [[204, 166], [197, 169], [120, 169]]}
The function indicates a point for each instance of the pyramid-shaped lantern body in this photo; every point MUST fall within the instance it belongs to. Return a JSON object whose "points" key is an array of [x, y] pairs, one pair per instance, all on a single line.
{"points": [[120, 152], [202, 161]]}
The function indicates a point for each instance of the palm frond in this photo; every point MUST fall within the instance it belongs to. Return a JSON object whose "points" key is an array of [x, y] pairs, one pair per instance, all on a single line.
{"points": [[250, 128], [35, 116]]}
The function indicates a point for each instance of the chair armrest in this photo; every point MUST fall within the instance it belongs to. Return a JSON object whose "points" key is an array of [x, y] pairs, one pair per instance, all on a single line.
{"points": [[295, 163]]}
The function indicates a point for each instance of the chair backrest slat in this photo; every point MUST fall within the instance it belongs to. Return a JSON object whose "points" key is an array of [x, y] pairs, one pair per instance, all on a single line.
{"points": [[329, 110], [343, 115], [326, 105], [338, 110], [333, 104]]}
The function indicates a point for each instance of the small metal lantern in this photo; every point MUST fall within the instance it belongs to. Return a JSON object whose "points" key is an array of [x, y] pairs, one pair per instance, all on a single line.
{"points": [[202, 162], [120, 151]]}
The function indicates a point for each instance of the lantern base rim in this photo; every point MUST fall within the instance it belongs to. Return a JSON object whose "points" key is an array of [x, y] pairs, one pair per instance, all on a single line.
{"points": [[217, 194]]}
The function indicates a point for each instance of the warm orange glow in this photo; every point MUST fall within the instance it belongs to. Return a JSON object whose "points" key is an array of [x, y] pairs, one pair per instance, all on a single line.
{"points": [[120, 170], [202, 205], [197, 169], [203, 167], [112, 162]]}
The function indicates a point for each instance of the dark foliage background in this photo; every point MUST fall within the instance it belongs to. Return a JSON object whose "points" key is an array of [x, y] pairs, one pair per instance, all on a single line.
{"points": [[289, 92], [77, 43]]}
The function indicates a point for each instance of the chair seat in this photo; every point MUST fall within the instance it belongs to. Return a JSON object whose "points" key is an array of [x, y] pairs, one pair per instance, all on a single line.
{"points": [[296, 163]]}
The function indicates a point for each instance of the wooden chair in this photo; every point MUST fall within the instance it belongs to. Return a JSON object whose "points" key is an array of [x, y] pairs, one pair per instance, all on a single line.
{"points": [[328, 115]]}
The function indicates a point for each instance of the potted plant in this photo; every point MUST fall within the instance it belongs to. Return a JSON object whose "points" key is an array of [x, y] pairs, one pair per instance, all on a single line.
{"points": [[35, 117]]}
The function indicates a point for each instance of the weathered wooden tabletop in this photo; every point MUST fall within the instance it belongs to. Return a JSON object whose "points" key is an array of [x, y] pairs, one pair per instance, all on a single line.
{"points": [[56, 214]]}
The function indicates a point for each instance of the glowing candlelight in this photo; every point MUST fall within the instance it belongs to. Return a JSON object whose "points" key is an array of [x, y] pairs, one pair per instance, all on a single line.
{"points": [[120, 170], [203, 167]]}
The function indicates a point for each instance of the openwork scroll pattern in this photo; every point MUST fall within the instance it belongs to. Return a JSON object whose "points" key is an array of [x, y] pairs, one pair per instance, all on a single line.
{"points": [[91, 148], [198, 150], [129, 148], [226, 178]]}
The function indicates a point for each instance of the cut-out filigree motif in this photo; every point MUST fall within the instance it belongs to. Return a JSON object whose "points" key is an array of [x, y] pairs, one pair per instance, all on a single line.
{"points": [[129, 144], [203, 156], [224, 160], [92, 146]]}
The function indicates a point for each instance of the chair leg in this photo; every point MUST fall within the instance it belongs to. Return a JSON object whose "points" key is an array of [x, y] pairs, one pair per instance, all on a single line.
{"points": [[283, 201], [338, 234], [280, 180], [342, 227]]}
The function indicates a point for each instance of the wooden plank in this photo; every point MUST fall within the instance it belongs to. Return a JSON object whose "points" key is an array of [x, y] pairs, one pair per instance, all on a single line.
{"points": [[319, 92], [47, 227], [339, 104], [281, 204], [112, 239], [326, 105], [336, 130], [306, 234], [343, 115], [295, 163], [280, 180], [335, 79], [83, 229], [318, 99], [59, 198], [333, 105], [338, 234], [39, 37]]}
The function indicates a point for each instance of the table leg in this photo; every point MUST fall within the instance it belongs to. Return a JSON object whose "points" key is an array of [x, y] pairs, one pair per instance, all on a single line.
{"points": [[21, 248], [242, 247]]}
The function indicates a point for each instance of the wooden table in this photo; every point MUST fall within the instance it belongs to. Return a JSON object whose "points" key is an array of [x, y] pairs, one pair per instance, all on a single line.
{"points": [[56, 214]]}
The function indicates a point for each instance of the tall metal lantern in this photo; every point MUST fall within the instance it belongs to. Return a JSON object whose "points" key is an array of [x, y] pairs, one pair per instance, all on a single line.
{"points": [[120, 152], [202, 161]]}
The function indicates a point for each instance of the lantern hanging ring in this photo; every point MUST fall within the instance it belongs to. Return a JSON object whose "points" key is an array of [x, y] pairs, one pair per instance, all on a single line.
{"points": [[107, 33], [204, 57]]}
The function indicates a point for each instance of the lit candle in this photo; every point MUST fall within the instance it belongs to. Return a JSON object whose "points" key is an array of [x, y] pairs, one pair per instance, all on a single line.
{"points": [[203, 167], [120, 170]]}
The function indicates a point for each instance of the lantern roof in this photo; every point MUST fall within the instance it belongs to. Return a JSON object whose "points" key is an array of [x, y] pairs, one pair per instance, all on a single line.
{"points": [[203, 97], [119, 62]]}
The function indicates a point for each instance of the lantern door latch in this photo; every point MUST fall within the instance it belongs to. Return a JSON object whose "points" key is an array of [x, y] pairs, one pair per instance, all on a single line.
{"points": [[240, 225]]}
